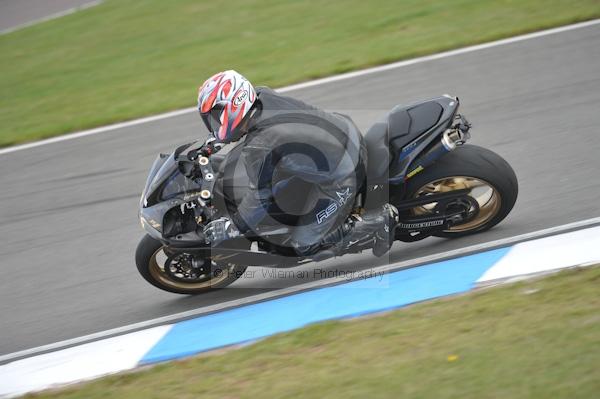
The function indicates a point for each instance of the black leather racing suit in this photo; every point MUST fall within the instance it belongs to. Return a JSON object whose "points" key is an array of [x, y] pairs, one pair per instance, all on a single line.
{"points": [[303, 162]]}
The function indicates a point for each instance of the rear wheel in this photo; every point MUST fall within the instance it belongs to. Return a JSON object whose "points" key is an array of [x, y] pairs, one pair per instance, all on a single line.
{"points": [[491, 182], [181, 273]]}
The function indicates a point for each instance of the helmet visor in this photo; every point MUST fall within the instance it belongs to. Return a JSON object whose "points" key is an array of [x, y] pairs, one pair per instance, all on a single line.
{"points": [[212, 118]]}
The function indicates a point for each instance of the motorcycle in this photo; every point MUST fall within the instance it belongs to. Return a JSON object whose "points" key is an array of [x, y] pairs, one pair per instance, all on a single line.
{"points": [[418, 160]]}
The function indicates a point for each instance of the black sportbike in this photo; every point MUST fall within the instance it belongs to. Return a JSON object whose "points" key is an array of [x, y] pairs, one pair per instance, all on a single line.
{"points": [[417, 160]]}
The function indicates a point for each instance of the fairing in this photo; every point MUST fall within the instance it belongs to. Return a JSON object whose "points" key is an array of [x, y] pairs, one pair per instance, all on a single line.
{"points": [[166, 188]]}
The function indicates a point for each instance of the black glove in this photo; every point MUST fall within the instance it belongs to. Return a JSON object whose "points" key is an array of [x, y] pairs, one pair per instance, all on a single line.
{"points": [[220, 230]]}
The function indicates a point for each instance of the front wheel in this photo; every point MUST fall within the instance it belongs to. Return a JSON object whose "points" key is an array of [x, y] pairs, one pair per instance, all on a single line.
{"points": [[491, 182], [181, 273]]}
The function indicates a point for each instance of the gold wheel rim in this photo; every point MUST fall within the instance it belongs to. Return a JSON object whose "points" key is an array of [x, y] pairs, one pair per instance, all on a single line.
{"points": [[486, 195], [157, 265]]}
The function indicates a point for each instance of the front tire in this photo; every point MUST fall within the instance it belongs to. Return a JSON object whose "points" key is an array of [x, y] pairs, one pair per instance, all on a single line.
{"points": [[492, 181], [150, 259]]}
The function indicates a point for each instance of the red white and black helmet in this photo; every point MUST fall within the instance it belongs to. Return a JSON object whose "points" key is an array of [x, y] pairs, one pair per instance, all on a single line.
{"points": [[223, 101]]}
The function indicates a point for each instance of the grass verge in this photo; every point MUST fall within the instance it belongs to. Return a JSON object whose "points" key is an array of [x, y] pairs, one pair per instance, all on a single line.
{"points": [[535, 339], [126, 59]]}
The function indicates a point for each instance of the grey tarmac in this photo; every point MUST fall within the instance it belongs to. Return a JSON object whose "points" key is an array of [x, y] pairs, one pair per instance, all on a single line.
{"points": [[68, 219]]}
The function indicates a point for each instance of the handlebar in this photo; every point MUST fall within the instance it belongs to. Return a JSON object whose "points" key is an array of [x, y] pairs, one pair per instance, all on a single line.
{"points": [[206, 150]]}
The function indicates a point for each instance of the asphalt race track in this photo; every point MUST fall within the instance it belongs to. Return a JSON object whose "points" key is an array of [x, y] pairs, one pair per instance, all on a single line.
{"points": [[68, 219], [16, 13]]}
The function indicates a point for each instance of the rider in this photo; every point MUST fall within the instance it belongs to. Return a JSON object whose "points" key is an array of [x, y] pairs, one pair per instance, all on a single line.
{"points": [[300, 161]]}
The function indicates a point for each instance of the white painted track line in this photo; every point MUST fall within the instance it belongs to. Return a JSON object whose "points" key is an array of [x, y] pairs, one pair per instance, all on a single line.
{"points": [[297, 288], [312, 83], [549, 253], [79, 363]]}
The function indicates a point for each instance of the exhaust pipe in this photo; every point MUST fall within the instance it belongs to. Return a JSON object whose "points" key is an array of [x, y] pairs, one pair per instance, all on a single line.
{"points": [[451, 139]]}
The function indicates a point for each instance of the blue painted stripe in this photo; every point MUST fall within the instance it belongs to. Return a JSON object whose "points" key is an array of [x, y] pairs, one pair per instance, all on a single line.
{"points": [[355, 298]]}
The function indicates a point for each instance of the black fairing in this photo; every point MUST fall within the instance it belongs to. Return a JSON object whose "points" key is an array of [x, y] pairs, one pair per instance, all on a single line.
{"points": [[166, 189], [164, 210]]}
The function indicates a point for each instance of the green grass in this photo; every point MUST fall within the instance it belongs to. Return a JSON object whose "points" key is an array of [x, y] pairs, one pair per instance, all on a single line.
{"points": [[125, 59], [535, 339]]}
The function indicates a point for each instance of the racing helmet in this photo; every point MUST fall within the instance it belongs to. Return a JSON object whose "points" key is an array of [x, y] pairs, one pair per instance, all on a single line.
{"points": [[223, 101]]}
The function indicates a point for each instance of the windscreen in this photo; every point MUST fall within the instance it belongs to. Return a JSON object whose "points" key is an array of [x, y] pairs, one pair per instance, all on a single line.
{"points": [[166, 182], [178, 184]]}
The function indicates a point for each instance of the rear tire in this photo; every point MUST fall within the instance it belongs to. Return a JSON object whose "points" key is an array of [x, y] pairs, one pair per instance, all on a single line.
{"points": [[149, 267], [478, 165]]}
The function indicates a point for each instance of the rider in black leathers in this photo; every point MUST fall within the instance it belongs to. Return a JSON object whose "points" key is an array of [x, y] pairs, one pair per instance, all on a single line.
{"points": [[301, 162]]}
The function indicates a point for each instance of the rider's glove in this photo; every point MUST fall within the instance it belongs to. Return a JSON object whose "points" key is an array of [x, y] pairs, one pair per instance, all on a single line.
{"points": [[220, 230]]}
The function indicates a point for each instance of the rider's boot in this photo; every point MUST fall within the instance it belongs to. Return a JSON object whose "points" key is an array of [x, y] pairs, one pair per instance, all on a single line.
{"points": [[385, 235], [376, 226]]}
